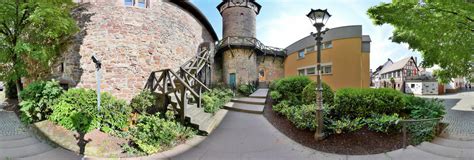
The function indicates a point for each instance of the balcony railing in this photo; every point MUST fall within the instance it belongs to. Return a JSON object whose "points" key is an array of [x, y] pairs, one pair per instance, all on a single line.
{"points": [[250, 42]]}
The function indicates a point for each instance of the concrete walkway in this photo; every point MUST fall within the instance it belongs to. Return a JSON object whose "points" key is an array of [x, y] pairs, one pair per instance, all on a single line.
{"points": [[465, 100], [250, 136]]}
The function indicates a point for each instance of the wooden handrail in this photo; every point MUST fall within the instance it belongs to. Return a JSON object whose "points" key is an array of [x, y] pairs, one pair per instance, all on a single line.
{"points": [[197, 80]]}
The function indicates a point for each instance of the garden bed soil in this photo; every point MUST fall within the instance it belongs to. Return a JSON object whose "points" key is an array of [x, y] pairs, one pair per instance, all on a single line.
{"points": [[361, 142]]}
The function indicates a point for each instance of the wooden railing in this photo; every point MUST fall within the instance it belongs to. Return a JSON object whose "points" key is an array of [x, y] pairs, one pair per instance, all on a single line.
{"points": [[250, 42], [177, 84]]}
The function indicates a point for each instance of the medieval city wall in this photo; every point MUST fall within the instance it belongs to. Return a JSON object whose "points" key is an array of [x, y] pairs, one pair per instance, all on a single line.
{"points": [[131, 42]]}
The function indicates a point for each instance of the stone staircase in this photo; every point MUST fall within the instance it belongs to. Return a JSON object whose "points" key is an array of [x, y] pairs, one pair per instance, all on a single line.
{"points": [[449, 148], [255, 103], [17, 143]]}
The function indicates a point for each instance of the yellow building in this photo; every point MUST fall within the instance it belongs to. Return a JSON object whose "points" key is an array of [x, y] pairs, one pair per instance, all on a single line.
{"points": [[345, 57]]}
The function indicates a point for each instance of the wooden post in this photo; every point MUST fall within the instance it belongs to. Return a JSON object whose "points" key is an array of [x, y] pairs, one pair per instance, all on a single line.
{"points": [[200, 97], [184, 102]]}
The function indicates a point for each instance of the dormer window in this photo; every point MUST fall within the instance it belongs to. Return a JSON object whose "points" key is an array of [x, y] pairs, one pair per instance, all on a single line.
{"points": [[137, 3]]}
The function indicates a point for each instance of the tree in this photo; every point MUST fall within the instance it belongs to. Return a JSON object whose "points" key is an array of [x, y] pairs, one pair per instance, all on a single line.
{"points": [[32, 34], [443, 31]]}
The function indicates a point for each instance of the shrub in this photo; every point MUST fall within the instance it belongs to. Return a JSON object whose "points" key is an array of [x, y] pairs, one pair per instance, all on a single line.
{"points": [[303, 116], [383, 123], [37, 100], [345, 125], [291, 88], [247, 89], [215, 99], [422, 131], [275, 95], [280, 106], [309, 94], [77, 110], [143, 102], [365, 102], [153, 134], [420, 108], [114, 114]]}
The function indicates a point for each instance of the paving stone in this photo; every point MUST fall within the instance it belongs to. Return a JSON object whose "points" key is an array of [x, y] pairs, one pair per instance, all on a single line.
{"points": [[18, 142], [25, 151]]}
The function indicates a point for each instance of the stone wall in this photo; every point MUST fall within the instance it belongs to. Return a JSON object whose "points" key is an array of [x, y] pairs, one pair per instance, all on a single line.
{"points": [[132, 42], [273, 68], [239, 21], [242, 62]]}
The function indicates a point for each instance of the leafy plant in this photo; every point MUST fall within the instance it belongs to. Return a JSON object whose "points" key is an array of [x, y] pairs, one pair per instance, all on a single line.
{"points": [[215, 99], [422, 131], [247, 89], [345, 125], [383, 123], [153, 134], [420, 108], [38, 98], [309, 94], [275, 95], [303, 116], [77, 110], [142, 102], [281, 106]]}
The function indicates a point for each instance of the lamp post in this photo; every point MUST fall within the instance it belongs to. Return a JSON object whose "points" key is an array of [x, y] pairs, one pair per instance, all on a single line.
{"points": [[98, 66], [319, 18]]}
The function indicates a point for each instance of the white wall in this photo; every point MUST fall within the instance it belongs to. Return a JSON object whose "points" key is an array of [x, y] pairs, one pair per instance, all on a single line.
{"points": [[430, 88], [414, 87]]}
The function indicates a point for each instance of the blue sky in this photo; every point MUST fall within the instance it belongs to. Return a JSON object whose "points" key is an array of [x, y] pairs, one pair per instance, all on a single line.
{"points": [[282, 22]]}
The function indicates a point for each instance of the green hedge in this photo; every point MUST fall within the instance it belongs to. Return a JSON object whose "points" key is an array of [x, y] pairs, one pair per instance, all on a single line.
{"points": [[291, 88], [309, 94], [247, 89], [366, 102], [142, 102]]}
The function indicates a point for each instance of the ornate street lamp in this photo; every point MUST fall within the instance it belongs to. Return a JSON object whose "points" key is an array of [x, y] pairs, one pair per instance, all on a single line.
{"points": [[319, 18]]}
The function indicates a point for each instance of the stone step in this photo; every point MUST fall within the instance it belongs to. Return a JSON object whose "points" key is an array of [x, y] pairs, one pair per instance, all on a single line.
{"points": [[260, 93], [18, 143], [413, 153], [12, 138], [25, 151], [247, 100], [214, 121], [446, 151], [454, 143], [55, 154], [247, 108]]}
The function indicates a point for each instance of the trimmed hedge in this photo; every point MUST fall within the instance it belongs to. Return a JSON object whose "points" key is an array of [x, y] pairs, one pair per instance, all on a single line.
{"points": [[366, 102], [309, 94], [290, 88]]}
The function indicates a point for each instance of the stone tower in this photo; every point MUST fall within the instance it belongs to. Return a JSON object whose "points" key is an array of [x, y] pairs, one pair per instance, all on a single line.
{"points": [[239, 44]]}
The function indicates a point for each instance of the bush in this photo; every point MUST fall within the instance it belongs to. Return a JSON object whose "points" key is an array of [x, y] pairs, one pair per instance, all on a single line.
{"points": [[345, 125], [281, 106], [37, 100], [303, 116], [77, 110], [291, 88], [309, 94], [153, 134], [215, 99], [275, 95], [142, 102], [422, 131], [420, 108], [365, 102], [383, 123], [247, 89]]}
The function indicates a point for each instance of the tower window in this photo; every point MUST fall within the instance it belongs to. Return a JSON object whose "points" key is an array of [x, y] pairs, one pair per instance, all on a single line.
{"points": [[301, 54], [137, 3]]}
